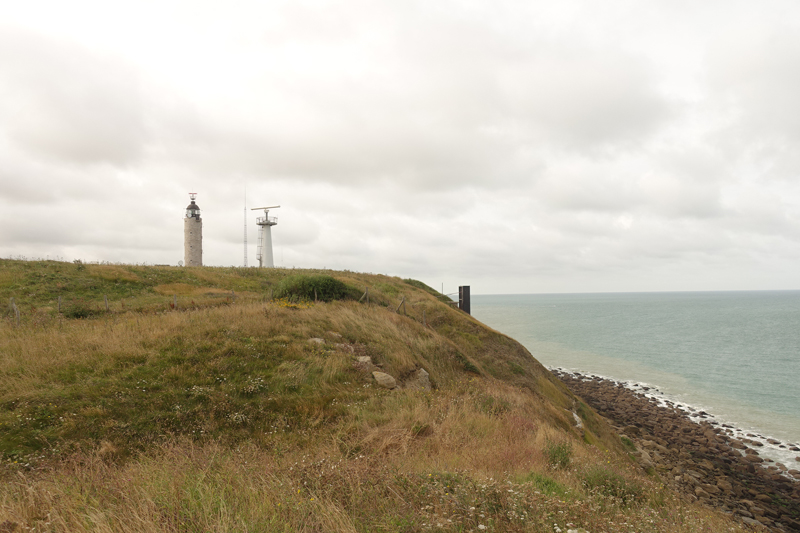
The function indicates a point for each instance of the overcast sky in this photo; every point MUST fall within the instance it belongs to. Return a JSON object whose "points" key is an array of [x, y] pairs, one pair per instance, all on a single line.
{"points": [[514, 146]]}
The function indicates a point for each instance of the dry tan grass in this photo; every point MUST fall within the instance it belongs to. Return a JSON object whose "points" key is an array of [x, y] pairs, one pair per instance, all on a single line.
{"points": [[184, 289], [185, 487]]}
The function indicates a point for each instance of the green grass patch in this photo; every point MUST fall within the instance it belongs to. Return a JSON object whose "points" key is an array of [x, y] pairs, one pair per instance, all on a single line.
{"points": [[627, 444], [546, 485]]}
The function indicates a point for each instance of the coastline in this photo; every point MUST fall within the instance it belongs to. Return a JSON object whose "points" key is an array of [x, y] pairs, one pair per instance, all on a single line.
{"points": [[718, 464]]}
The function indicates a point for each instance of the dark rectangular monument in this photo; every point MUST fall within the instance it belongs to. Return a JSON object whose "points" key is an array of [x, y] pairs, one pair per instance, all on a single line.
{"points": [[463, 298]]}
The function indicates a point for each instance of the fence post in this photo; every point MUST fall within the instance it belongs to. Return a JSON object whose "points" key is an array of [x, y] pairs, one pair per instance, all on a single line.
{"points": [[403, 301], [16, 313], [105, 299], [11, 304]]}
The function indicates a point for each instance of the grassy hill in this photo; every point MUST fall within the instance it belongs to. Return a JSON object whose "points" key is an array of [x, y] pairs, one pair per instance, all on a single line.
{"points": [[231, 399]]}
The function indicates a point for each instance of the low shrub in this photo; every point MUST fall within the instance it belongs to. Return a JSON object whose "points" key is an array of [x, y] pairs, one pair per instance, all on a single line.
{"points": [[314, 287], [80, 309]]}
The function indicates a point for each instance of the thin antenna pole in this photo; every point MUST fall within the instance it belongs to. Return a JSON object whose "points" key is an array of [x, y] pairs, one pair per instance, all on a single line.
{"points": [[245, 225]]}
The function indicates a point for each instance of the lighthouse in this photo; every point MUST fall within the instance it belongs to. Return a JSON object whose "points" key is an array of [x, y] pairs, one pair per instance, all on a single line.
{"points": [[193, 234]]}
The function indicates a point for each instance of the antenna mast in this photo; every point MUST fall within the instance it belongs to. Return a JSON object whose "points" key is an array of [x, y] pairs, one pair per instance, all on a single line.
{"points": [[245, 226]]}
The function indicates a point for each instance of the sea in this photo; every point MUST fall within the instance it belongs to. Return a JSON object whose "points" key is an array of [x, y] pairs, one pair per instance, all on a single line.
{"points": [[734, 356]]}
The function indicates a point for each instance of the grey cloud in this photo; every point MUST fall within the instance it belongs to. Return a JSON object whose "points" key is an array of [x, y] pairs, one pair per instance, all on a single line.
{"points": [[753, 85], [455, 106], [758, 76], [63, 101], [585, 97]]}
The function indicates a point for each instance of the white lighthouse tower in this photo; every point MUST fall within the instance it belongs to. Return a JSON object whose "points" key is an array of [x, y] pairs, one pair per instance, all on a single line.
{"points": [[265, 223], [193, 234]]}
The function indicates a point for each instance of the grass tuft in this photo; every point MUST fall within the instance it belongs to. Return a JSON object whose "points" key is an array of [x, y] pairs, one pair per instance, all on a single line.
{"points": [[558, 453], [604, 481]]}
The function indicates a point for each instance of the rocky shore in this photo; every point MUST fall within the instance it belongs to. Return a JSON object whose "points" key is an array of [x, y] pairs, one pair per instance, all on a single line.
{"points": [[703, 460]]}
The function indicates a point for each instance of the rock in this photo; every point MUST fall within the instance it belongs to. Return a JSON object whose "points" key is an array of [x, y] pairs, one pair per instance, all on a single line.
{"points": [[344, 347], [695, 474], [764, 520], [384, 380], [633, 431], [751, 522], [364, 363], [724, 484], [789, 521], [419, 380], [700, 493], [645, 460], [316, 340]]}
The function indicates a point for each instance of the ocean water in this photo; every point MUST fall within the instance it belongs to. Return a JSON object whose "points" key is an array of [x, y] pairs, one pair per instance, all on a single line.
{"points": [[735, 355]]}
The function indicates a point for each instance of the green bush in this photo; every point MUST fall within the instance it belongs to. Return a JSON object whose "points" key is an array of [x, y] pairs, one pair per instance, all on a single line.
{"points": [[558, 453], [310, 287]]}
